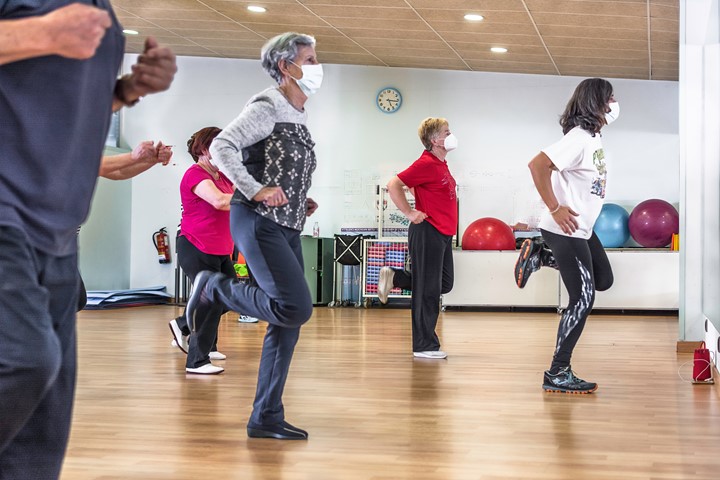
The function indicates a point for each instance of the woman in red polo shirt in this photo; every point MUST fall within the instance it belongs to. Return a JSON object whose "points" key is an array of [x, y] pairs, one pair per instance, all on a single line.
{"points": [[433, 222]]}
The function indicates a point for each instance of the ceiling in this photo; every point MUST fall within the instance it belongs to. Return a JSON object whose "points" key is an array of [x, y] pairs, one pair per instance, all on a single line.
{"points": [[589, 38]]}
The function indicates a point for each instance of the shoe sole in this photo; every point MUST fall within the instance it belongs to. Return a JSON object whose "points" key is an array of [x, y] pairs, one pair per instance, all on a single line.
{"points": [[520, 264], [430, 357], [383, 280], [256, 433], [178, 341], [570, 392], [204, 373]]}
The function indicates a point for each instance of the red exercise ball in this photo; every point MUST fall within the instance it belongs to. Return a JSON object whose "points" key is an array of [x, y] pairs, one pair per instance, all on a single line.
{"points": [[653, 222], [488, 234]]}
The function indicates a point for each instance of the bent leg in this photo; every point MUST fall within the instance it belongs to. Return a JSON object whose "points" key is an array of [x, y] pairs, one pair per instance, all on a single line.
{"points": [[602, 271], [576, 270], [427, 253]]}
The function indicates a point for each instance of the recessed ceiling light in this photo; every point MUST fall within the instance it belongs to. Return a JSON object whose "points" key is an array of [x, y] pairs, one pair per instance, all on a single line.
{"points": [[498, 50], [130, 32], [256, 9], [473, 17]]}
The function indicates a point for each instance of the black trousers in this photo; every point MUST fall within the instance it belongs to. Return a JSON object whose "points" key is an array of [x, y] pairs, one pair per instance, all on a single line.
{"points": [[432, 275], [584, 268], [194, 261]]}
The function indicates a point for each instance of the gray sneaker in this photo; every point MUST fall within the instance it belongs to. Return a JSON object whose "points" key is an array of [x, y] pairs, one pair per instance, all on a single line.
{"points": [[565, 381], [385, 283]]}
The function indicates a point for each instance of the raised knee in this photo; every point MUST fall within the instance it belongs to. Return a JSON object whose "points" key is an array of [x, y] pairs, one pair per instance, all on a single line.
{"points": [[604, 284], [295, 314]]}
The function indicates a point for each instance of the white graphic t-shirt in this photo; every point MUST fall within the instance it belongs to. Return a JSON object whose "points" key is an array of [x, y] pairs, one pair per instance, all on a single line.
{"points": [[579, 182]]}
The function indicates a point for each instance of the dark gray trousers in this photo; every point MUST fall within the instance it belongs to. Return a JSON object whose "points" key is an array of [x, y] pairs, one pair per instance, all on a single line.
{"points": [[281, 298], [38, 301]]}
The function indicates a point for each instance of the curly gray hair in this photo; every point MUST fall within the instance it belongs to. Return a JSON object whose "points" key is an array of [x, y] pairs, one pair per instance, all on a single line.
{"points": [[282, 47]]}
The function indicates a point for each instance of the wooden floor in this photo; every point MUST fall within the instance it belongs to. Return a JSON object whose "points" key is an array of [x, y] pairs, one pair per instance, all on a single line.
{"points": [[374, 412]]}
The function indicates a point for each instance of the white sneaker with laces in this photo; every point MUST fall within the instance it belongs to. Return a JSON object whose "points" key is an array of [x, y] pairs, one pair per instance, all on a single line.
{"points": [[385, 283], [217, 355], [207, 369], [247, 319], [438, 354]]}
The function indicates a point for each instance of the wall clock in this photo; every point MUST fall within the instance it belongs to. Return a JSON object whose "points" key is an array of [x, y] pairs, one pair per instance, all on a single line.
{"points": [[389, 100]]}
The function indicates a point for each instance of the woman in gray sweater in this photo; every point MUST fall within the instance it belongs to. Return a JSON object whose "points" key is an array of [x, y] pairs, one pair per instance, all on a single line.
{"points": [[267, 152]]}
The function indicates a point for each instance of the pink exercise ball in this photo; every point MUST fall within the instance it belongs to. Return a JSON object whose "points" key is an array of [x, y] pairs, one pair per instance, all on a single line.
{"points": [[488, 234]]}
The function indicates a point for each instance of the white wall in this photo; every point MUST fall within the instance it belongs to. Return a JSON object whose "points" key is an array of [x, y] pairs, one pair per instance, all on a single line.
{"points": [[104, 253], [501, 120]]}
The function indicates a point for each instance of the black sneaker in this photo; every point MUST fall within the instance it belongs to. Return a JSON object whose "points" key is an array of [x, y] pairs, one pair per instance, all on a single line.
{"points": [[547, 259], [528, 261], [565, 381]]}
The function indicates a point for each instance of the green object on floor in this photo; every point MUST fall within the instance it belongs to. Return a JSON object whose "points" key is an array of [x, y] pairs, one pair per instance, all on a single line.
{"points": [[241, 270]]}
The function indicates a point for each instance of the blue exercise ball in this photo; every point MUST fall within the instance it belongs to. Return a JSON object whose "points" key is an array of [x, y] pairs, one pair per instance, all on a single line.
{"points": [[611, 226]]}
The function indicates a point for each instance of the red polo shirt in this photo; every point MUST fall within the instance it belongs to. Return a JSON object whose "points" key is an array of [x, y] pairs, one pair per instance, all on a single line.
{"points": [[434, 191]]}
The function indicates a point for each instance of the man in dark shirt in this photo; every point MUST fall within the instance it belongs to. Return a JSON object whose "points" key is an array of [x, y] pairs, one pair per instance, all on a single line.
{"points": [[58, 87]]}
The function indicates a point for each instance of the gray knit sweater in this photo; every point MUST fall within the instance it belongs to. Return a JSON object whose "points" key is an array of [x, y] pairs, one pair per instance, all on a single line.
{"points": [[268, 145]]}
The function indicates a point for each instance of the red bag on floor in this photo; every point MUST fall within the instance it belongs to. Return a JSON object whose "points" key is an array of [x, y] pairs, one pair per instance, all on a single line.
{"points": [[702, 370]]}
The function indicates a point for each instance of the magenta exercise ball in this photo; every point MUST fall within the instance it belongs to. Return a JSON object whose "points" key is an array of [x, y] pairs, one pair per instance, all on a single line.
{"points": [[488, 234], [653, 222]]}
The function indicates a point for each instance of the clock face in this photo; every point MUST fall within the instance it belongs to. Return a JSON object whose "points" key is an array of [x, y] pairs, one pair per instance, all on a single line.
{"points": [[389, 100]]}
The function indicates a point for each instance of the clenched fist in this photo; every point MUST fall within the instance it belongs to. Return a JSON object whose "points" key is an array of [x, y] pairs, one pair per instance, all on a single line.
{"points": [[75, 31]]}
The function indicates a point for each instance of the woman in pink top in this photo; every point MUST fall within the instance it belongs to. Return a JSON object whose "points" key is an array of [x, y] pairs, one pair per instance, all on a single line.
{"points": [[203, 243]]}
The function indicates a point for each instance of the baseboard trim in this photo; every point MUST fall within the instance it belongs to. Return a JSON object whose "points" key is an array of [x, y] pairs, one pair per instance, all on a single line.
{"points": [[687, 347]]}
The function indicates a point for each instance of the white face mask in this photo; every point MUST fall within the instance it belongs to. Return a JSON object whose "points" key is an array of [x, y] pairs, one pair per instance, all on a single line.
{"points": [[451, 142], [311, 80], [614, 112]]}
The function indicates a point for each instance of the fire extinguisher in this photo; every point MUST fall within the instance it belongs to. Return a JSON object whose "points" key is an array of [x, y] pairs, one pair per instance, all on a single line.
{"points": [[162, 245]]}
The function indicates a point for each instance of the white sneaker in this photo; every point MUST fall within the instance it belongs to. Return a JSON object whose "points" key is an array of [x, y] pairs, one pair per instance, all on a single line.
{"points": [[179, 340], [385, 283], [438, 354], [185, 342], [217, 355], [207, 369], [247, 319]]}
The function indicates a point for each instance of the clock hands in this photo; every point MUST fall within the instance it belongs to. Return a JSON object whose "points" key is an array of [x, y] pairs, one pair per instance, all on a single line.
{"points": [[388, 104]]}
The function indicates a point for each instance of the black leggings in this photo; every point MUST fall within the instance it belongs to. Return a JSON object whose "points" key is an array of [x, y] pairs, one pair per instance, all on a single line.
{"points": [[194, 261], [584, 268]]}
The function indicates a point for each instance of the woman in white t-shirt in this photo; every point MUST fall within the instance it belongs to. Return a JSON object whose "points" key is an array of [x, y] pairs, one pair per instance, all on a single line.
{"points": [[570, 177]]}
